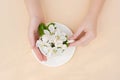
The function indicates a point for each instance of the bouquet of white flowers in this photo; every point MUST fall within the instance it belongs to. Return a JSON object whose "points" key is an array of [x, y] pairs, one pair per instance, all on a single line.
{"points": [[52, 40]]}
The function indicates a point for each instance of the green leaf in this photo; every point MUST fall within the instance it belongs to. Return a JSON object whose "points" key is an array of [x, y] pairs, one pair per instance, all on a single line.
{"points": [[41, 29], [65, 42]]}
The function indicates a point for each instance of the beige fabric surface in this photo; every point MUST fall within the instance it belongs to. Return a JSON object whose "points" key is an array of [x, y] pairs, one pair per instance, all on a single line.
{"points": [[100, 60]]}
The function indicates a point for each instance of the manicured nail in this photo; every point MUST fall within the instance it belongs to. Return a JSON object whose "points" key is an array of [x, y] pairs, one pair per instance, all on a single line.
{"points": [[70, 41]]}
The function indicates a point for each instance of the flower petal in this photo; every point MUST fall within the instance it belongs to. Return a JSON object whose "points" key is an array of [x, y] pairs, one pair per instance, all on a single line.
{"points": [[46, 32], [51, 28]]}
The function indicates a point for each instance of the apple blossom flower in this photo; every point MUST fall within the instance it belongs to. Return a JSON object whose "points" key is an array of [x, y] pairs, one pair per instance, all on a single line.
{"points": [[53, 42]]}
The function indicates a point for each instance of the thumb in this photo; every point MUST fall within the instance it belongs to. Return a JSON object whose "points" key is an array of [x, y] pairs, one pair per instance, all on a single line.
{"points": [[73, 37], [76, 34]]}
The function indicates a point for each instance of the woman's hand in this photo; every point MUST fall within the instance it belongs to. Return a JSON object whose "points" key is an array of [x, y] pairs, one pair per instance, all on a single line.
{"points": [[33, 37], [36, 17], [88, 27]]}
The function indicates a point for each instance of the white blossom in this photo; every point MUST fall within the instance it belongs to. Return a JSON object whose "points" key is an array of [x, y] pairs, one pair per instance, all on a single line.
{"points": [[45, 49], [45, 38], [46, 32], [63, 38], [64, 46], [51, 28], [58, 32], [51, 42], [59, 50]]}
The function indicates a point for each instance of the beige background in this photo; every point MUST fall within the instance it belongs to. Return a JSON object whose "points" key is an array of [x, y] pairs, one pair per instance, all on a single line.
{"points": [[100, 60]]}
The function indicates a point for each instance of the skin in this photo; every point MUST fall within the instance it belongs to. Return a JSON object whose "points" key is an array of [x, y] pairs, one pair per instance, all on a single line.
{"points": [[36, 17], [88, 25]]}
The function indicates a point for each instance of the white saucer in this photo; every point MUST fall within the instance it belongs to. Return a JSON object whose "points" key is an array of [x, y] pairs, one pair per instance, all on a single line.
{"points": [[61, 59]]}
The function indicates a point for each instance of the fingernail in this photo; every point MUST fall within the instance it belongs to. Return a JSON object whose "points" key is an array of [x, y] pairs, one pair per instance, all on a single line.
{"points": [[70, 41]]}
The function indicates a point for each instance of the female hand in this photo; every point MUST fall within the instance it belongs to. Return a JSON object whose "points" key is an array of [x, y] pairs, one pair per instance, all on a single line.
{"points": [[36, 17], [88, 27], [33, 37]]}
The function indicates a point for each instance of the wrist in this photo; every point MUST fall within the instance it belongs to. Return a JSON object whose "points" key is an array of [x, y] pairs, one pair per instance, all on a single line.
{"points": [[36, 19], [34, 23]]}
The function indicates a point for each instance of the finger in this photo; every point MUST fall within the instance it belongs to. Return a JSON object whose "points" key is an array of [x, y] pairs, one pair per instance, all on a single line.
{"points": [[80, 30], [80, 41], [86, 42], [32, 40], [38, 54], [33, 37], [41, 56], [44, 58]]}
